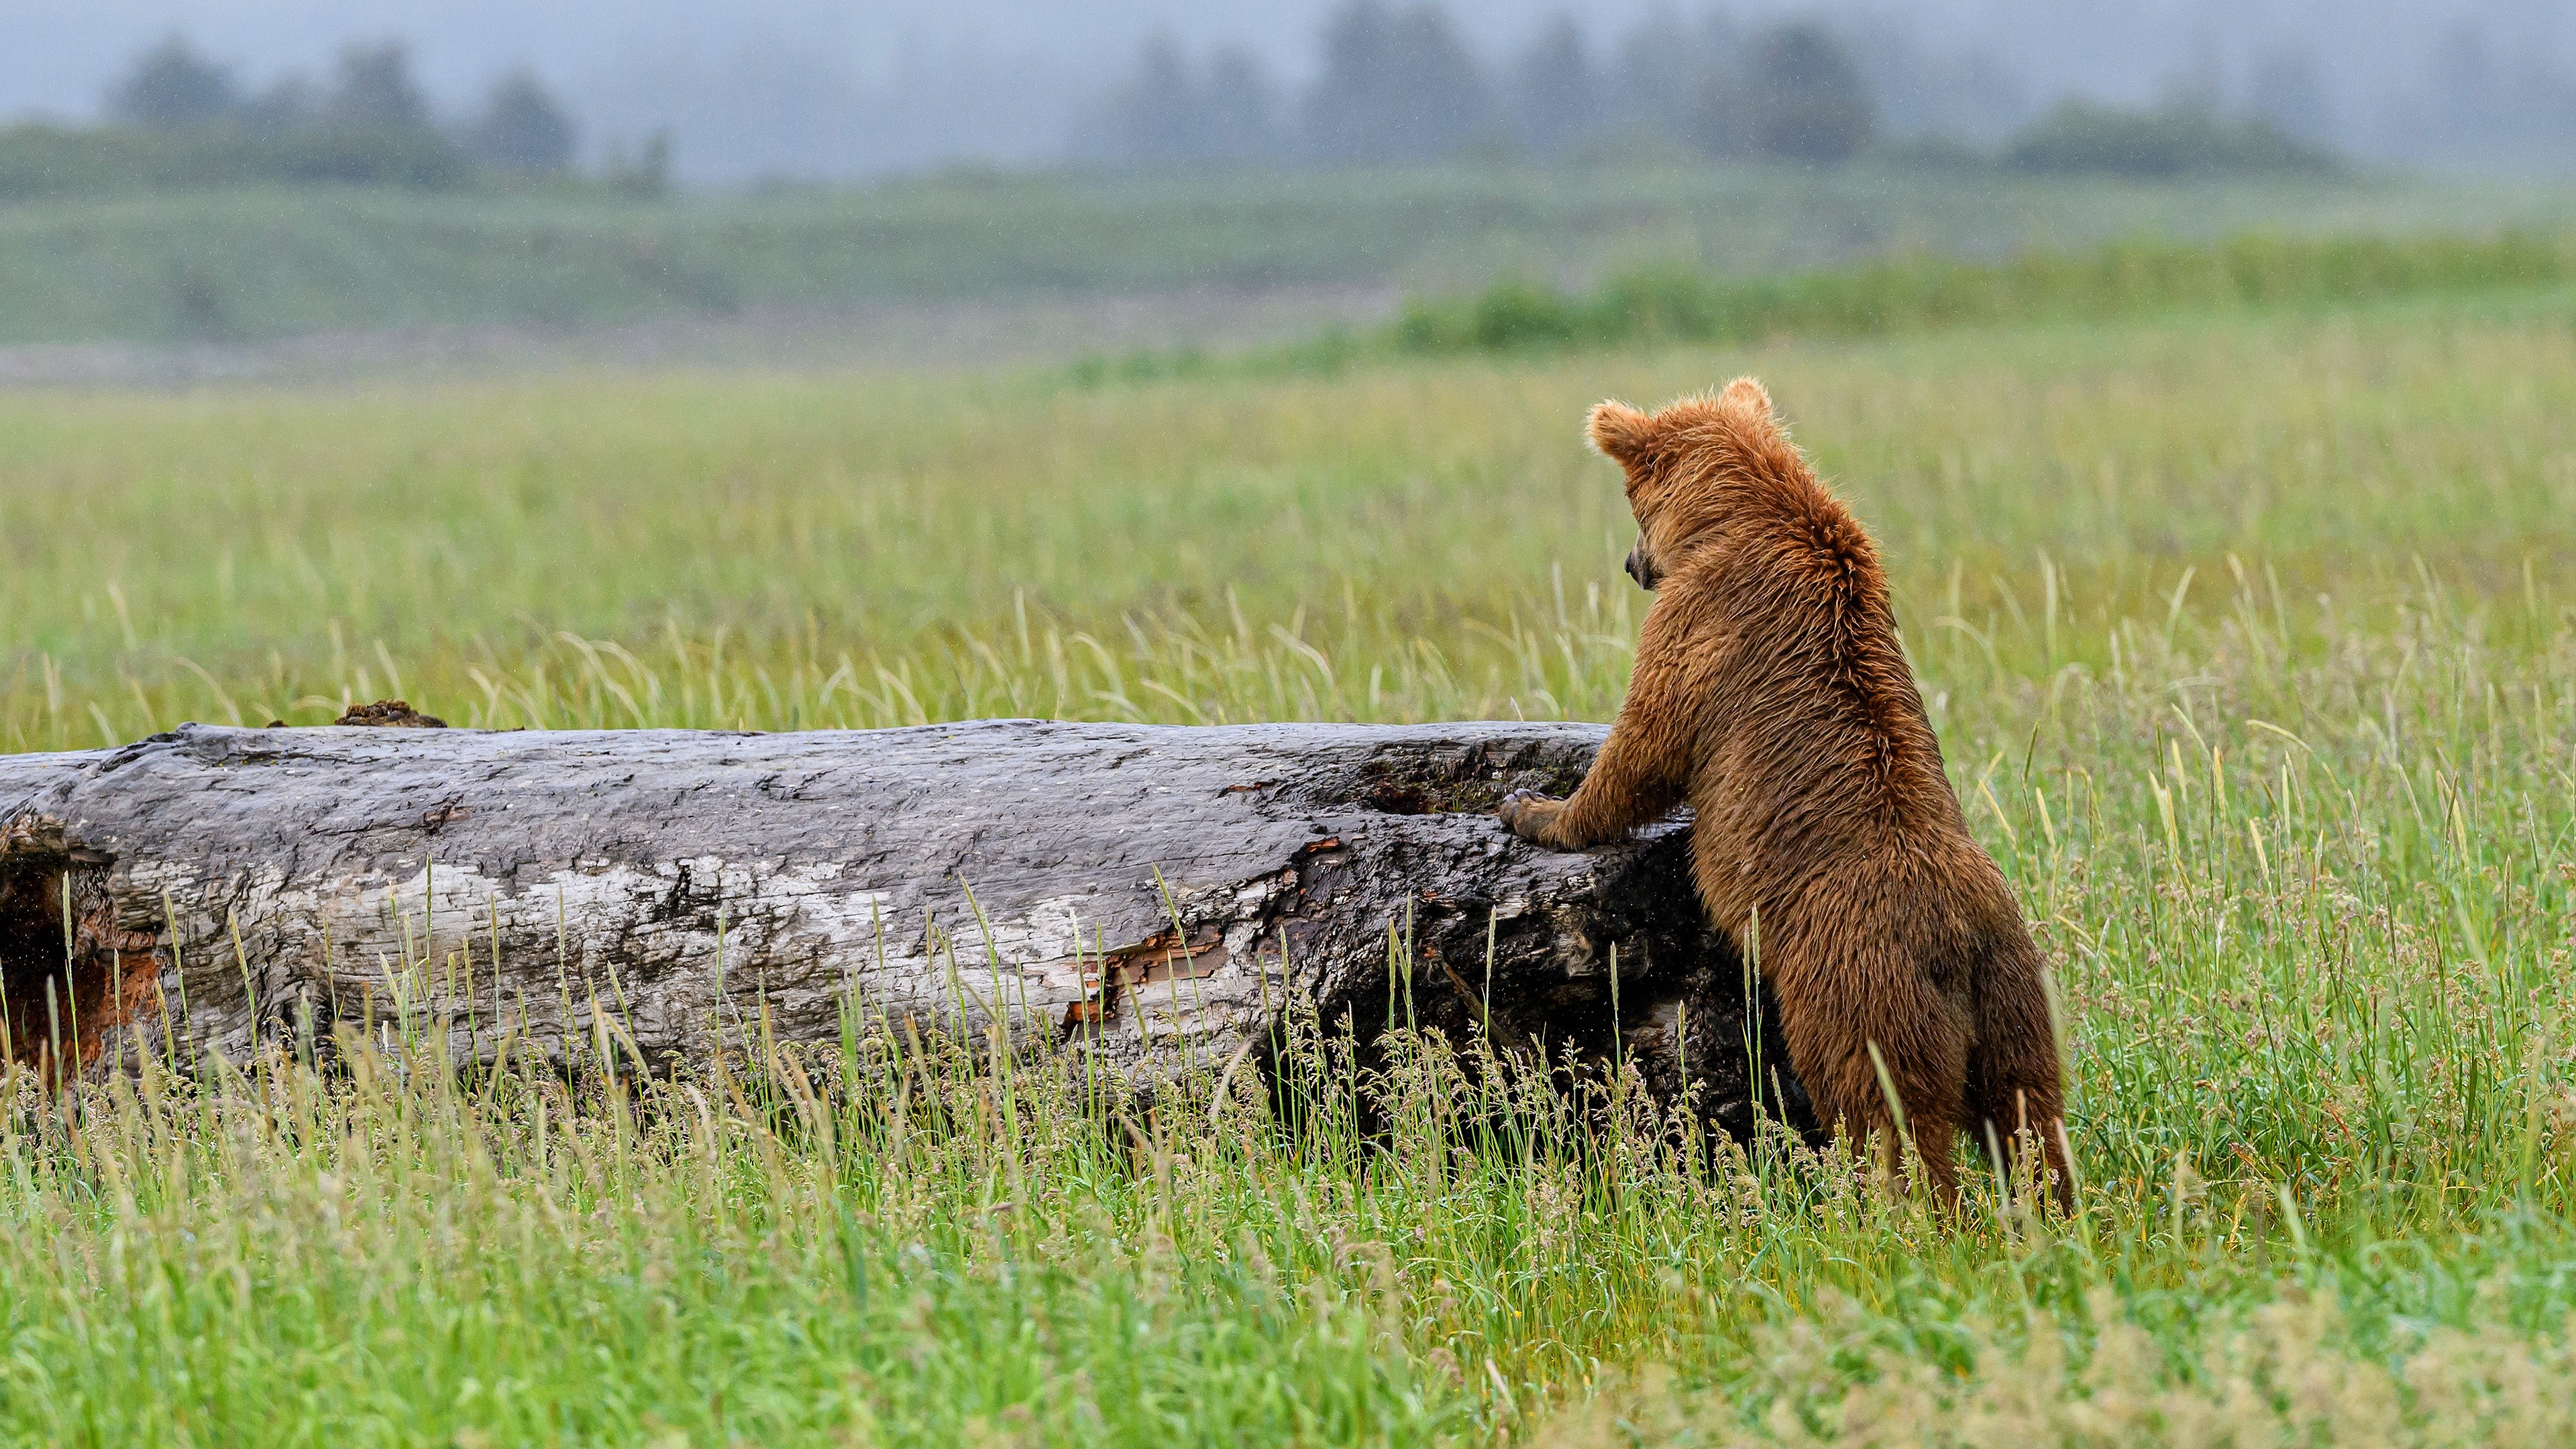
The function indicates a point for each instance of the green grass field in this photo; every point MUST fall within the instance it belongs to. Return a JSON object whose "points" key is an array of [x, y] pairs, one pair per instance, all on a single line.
{"points": [[2251, 642], [247, 264]]}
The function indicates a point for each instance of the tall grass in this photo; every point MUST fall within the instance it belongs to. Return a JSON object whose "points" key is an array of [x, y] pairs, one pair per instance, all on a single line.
{"points": [[2312, 922], [1403, 543], [2249, 645]]}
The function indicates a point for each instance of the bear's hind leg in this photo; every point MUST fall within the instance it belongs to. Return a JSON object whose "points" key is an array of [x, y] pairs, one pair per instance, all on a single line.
{"points": [[1932, 1095], [2021, 1109], [2015, 1086], [1926, 1063]]}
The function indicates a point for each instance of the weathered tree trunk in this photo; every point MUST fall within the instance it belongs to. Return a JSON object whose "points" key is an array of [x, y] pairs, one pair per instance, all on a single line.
{"points": [[1159, 895]]}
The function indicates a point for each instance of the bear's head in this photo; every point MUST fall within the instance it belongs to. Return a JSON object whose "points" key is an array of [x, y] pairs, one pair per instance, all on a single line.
{"points": [[1677, 460]]}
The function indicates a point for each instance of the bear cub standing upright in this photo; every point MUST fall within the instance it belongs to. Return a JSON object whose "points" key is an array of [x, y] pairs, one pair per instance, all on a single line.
{"points": [[1770, 694]]}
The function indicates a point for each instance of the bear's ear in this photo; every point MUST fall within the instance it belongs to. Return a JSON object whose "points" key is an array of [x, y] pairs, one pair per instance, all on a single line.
{"points": [[1747, 393], [1623, 434]]}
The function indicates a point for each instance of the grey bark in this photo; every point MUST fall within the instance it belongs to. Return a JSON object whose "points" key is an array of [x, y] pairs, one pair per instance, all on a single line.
{"points": [[1157, 896]]}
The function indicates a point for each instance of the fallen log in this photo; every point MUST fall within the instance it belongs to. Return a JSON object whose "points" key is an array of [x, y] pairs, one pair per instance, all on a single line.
{"points": [[1157, 897]]}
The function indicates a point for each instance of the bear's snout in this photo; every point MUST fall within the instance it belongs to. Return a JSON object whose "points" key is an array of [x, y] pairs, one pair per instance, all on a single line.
{"points": [[1642, 571]]}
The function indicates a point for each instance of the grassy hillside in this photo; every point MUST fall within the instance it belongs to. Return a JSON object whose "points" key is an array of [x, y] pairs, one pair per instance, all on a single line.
{"points": [[2121, 279], [2251, 646], [2139, 278], [254, 264]]}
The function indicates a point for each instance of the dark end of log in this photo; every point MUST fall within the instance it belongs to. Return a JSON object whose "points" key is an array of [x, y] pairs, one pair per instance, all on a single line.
{"points": [[70, 979]]}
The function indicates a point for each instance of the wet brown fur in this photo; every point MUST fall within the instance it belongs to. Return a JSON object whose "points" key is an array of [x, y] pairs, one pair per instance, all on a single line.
{"points": [[1772, 695]]}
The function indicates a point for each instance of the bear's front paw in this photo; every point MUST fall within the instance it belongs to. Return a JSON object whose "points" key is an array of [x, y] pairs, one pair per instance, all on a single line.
{"points": [[1529, 814]]}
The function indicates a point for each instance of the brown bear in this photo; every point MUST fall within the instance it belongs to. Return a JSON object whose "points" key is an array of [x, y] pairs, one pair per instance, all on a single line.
{"points": [[1771, 694]]}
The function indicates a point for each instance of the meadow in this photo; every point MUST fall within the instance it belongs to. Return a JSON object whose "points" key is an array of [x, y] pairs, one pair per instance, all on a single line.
{"points": [[2249, 637], [240, 264]]}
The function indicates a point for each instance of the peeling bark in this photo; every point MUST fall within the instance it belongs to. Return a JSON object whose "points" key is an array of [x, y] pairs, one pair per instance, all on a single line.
{"points": [[1159, 896]]}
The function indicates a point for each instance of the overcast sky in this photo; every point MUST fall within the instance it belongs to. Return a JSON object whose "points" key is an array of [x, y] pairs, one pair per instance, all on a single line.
{"points": [[810, 87]]}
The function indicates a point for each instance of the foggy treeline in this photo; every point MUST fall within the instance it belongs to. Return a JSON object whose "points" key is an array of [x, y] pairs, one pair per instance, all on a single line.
{"points": [[1405, 82], [369, 119], [519, 125], [2487, 84], [826, 89]]}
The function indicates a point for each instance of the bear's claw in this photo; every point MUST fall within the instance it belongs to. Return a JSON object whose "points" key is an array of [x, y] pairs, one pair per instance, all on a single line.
{"points": [[1525, 812]]}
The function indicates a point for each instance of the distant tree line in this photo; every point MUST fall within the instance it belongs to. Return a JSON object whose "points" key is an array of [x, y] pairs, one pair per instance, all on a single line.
{"points": [[177, 118], [372, 96], [1398, 83]]}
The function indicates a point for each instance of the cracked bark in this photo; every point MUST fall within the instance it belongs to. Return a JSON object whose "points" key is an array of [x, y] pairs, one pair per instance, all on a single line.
{"points": [[1157, 895]]}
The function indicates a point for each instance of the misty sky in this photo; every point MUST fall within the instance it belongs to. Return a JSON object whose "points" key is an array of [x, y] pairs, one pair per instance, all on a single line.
{"points": [[809, 88]]}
